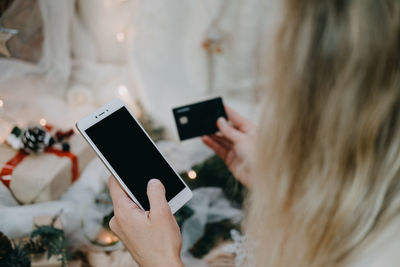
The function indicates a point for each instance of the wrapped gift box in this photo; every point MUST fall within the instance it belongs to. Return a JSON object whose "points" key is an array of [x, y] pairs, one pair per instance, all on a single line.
{"points": [[45, 176]]}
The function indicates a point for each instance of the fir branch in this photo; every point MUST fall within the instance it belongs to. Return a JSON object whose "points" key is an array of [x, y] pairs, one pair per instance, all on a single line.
{"points": [[53, 241], [17, 257], [213, 172]]}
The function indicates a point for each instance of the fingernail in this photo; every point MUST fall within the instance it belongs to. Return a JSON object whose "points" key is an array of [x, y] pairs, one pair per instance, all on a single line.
{"points": [[221, 121], [154, 181]]}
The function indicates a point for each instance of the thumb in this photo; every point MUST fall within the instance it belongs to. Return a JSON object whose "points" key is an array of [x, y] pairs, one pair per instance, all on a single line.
{"points": [[156, 195], [227, 130]]}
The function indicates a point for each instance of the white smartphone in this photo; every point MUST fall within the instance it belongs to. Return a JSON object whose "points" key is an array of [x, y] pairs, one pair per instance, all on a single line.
{"points": [[131, 156]]}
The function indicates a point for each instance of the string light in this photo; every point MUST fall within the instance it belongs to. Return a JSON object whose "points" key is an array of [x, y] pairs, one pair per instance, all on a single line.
{"points": [[43, 122], [192, 174], [106, 237], [80, 99], [122, 90], [120, 36], [1, 103]]}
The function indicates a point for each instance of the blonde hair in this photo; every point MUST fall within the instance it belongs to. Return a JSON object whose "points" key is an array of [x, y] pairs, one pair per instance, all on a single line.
{"points": [[327, 174]]}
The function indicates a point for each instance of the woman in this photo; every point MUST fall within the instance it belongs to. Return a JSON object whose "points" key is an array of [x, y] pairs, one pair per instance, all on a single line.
{"points": [[325, 179]]}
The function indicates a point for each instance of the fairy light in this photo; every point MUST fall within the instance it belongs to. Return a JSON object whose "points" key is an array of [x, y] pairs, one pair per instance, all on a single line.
{"points": [[120, 36], [122, 90], [43, 122], [1, 103], [80, 99], [192, 174], [106, 237]]}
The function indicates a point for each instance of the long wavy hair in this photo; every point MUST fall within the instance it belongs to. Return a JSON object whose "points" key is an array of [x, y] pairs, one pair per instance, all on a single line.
{"points": [[327, 175]]}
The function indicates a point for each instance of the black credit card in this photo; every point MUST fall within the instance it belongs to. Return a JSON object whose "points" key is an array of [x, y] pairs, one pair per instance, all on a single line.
{"points": [[199, 119]]}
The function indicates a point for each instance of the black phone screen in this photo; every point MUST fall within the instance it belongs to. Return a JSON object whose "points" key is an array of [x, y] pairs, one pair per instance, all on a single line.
{"points": [[133, 156]]}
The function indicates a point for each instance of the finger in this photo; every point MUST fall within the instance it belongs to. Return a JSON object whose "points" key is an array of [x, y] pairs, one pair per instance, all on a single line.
{"points": [[222, 141], [237, 120], [228, 130], [218, 149], [114, 225], [156, 195], [120, 199]]}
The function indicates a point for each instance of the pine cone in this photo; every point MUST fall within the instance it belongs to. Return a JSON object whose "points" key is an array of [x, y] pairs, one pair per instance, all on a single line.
{"points": [[36, 139], [18, 257], [5, 246]]}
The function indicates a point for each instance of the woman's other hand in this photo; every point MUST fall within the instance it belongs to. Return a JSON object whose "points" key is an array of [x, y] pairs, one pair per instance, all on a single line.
{"points": [[234, 144], [152, 237]]}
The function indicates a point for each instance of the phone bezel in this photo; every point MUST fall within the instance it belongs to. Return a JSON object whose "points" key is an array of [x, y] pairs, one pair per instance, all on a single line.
{"points": [[177, 201]]}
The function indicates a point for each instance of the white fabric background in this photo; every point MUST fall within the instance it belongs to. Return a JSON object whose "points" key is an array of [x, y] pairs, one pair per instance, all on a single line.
{"points": [[161, 60]]}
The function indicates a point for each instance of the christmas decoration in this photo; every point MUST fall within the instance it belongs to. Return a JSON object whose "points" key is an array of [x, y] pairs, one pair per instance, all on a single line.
{"points": [[36, 139], [214, 173], [213, 235], [48, 170], [5, 35], [5, 247], [50, 239], [26, 17], [184, 213], [47, 239], [213, 41], [106, 238], [65, 146], [210, 173], [14, 139], [17, 256]]}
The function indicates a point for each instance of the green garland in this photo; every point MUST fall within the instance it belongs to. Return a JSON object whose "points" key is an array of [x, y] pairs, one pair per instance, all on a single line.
{"points": [[213, 172]]}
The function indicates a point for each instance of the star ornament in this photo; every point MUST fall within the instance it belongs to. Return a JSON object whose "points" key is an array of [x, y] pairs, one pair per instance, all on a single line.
{"points": [[5, 35]]}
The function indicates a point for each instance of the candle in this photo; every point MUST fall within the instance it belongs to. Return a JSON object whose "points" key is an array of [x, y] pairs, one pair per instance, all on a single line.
{"points": [[192, 174], [106, 237]]}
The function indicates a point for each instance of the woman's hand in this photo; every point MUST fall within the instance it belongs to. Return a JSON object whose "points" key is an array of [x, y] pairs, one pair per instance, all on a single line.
{"points": [[234, 144], [152, 237]]}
